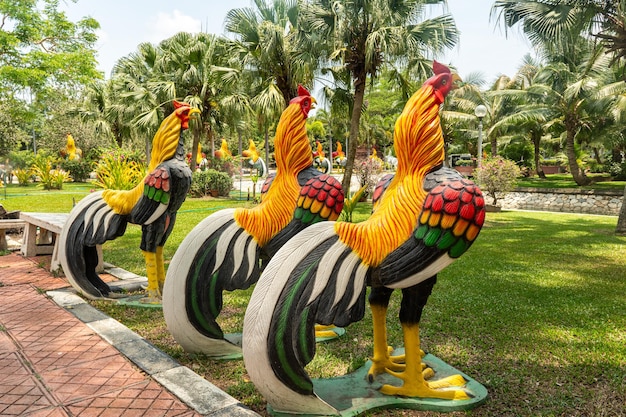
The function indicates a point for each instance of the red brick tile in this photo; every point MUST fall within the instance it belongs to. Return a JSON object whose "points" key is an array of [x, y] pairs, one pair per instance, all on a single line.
{"points": [[21, 396]]}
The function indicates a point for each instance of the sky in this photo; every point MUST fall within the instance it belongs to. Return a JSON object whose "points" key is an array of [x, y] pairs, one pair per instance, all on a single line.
{"points": [[483, 47]]}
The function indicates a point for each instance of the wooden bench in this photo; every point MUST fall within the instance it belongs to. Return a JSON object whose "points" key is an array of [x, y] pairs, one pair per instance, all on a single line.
{"points": [[41, 237], [6, 224]]}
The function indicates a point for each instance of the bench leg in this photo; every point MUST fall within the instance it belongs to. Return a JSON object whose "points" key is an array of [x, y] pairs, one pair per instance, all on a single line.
{"points": [[29, 245]]}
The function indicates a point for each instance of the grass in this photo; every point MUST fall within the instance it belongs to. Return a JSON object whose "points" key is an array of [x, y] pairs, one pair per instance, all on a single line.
{"points": [[566, 181], [534, 311]]}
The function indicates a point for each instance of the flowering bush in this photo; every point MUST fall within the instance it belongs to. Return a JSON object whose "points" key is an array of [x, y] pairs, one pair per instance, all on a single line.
{"points": [[368, 170], [115, 171], [497, 176]]}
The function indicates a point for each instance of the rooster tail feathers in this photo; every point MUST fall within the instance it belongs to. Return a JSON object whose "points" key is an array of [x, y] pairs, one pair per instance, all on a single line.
{"points": [[314, 278], [216, 256], [92, 222]]}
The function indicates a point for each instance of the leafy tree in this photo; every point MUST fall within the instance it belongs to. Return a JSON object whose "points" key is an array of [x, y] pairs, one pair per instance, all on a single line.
{"points": [[363, 36], [265, 40], [41, 53], [558, 23], [42, 49]]}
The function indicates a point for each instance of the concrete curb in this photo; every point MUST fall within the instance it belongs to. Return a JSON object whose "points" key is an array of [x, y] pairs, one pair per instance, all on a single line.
{"points": [[195, 391]]}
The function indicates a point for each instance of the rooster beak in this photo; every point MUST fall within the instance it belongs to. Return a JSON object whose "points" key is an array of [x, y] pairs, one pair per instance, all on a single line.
{"points": [[456, 80], [193, 111], [313, 103]]}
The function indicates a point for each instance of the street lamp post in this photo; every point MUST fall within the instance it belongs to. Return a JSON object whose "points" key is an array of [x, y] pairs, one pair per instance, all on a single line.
{"points": [[480, 111]]}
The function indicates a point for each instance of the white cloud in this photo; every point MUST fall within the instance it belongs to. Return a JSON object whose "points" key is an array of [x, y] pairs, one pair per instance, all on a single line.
{"points": [[165, 25]]}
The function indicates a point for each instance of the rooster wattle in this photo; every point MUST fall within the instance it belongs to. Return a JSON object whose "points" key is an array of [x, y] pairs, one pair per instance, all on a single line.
{"points": [[426, 217]]}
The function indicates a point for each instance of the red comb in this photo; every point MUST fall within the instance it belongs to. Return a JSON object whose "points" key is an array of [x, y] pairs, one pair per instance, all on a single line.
{"points": [[178, 104], [302, 91], [439, 68]]}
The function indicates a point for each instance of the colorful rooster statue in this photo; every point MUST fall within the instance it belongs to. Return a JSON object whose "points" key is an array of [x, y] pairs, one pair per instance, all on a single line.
{"points": [[319, 159], [223, 152], [225, 251], [339, 156], [153, 204], [254, 159], [70, 151], [427, 217]]}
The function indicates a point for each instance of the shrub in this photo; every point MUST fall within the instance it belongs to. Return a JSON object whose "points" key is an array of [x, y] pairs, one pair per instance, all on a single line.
{"points": [[367, 171], [115, 171], [21, 159], [49, 177], [79, 169], [226, 165], [24, 175], [204, 182], [497, 176]]}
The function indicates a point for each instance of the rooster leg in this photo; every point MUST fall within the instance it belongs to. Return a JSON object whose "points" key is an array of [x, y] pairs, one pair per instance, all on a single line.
{"points": [[160, 268], [414, 384], [413, 301], [154, 294], [381, 359]]}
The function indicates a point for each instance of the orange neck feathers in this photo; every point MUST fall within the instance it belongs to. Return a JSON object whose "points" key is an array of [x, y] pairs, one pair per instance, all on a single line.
{"points": [[418, 143], [292, 154]]}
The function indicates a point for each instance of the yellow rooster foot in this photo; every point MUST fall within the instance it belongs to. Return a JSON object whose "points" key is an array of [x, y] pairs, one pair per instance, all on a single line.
{"points": [[153, 297], [323, 332], [437, 389], [395, 363], [386, 363]]}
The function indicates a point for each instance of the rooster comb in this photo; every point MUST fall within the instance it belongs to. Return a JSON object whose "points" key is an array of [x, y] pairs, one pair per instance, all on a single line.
{"points": [[303, 91], [439, 68]]}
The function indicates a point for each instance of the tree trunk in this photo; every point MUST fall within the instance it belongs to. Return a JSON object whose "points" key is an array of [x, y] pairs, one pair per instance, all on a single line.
{"points": [[355, 120], [267, 146], [621, 220], [577, 173], [194, 149], [536, 140], [494, 146]]}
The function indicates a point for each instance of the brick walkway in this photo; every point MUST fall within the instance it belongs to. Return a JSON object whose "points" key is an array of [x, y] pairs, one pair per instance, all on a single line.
{"points": [[54, 364]]}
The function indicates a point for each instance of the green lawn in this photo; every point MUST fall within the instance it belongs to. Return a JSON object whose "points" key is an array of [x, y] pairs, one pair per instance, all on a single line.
{"points": [[535, 311], [566, 181]]}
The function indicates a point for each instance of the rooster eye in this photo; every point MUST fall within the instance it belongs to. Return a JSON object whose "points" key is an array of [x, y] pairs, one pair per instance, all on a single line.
{"points": [[306, 102], [444, 82]]}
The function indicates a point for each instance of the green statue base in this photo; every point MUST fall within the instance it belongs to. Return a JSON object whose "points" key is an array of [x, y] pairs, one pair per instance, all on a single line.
{"points": [[352, 394]]}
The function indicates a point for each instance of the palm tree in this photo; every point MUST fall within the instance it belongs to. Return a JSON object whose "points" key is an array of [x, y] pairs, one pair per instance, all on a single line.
{"points": [[362, 36], [555, 23], [265, 43], [546, 22]]}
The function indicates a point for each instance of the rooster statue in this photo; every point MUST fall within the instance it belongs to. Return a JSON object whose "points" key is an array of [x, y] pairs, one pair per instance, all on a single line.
{"points": [[319, 159], [254, 159], [426, 218], [223, 152], [339, 156], [153, 204], [70, 151], [224, 252]]}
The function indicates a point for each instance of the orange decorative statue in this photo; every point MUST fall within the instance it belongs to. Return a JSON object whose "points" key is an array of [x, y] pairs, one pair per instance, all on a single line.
{"points": [[153, 204], [319, 159], [227, 250], [254, 159], [425, 217]]}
